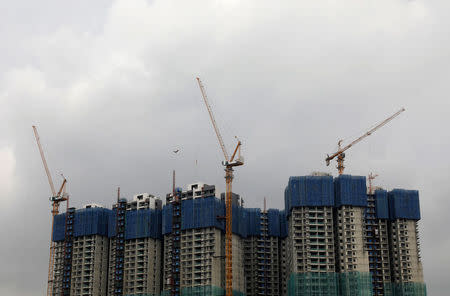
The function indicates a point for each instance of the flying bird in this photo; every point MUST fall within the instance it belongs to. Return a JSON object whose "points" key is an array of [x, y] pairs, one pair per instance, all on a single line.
{"points": [[176, 151]]}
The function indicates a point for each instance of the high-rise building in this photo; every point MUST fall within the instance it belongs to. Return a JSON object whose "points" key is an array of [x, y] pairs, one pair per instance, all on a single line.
{"points": [[135, 247], [310, 246], [262, 253], [81, 258], [332, 238], [194, 245], [405, 259], [377, 240], [352, 261]]}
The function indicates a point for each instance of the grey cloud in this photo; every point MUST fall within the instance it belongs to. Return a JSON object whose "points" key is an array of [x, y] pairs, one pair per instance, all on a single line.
{"points": [[112, 89]]}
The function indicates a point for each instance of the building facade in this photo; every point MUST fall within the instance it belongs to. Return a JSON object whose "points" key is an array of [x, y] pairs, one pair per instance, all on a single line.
{"points": [[332, 238], [135, 247]]}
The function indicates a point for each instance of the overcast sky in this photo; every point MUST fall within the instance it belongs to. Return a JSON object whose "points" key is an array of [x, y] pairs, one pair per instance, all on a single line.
{"points": [[111, 86]]}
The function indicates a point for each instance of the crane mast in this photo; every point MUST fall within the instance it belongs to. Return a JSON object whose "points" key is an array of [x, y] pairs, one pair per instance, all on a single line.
{"points": [[56, 199], [371, 177], [229, 163], [340, 153]]}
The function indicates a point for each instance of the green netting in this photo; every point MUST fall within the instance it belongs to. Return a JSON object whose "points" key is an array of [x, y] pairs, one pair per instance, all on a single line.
{"points": [[330, 283], [405, 289], [207, 291], [355, 284], [313, 284], [165, 293]]}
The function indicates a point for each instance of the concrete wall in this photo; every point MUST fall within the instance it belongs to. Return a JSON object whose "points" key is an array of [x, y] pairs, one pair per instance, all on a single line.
{"points": [[406, 265], [89, 265], [350, 240]]}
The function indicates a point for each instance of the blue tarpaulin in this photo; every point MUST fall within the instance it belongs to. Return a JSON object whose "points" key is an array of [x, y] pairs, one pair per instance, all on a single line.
{"points": [[273, 217], [167, 213], [239, 225], [350, 191], [254, 222], [277, 223], [283, 224], [59, 227], [309, 191], [143, 223], [381, 204], [90, 221], [101, 221], [404, 204], [251, 220], [112, 223], [202, 213]]}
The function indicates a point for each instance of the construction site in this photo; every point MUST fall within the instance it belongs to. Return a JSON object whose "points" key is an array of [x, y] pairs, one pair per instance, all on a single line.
{"points": [[336, 235]]}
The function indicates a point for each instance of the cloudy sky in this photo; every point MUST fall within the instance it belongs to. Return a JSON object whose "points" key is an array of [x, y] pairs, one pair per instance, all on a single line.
{"points": [[111, 86]]}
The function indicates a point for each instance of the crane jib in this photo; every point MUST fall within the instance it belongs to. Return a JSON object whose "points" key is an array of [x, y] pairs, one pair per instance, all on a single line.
{"points": [[366, 134]]}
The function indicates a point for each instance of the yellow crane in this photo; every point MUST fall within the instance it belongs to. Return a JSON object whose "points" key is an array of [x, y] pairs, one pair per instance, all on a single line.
{"points": [[371, 177], [228, 163], [340, 153], [56, 199]]}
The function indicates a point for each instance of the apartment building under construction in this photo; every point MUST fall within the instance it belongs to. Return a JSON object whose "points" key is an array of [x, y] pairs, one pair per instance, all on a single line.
{"points": [[332, 238]]}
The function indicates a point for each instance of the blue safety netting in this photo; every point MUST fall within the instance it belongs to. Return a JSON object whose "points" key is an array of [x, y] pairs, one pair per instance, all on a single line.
{"points": [[143, 223], [405, 289], [381, 204], [202, 213], [309, 191], [112, 223], [210, 212], [59, 223], [273, 217], [101, 221], [251, 221], [283, 224], [90, 221], [205, 291], [239, 223], [350, 191], [167, 213], [404, 204]]}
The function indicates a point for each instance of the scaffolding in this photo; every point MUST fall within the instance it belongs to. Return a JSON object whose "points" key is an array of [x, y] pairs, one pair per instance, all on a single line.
{"points": [[176, 246], [68, 250], [355, 284], [330, 283], [119, 247], [405, 289], [207, 291], [313, 284]]}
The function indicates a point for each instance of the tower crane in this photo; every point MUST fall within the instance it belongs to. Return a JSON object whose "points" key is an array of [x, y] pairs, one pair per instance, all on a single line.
{"points": [[371, 177], [56, 199], [228, 163], [340, 153]]}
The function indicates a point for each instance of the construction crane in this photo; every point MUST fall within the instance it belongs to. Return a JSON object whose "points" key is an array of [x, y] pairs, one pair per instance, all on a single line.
{"points": [[370, 178], [228, 163], [56, 199], [340, 153]]}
